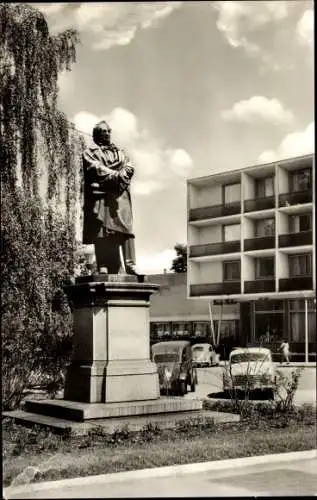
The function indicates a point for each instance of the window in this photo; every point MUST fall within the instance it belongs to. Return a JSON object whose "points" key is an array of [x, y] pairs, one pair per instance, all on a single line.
{"points": [[299, 223], [231, 193], [301, 180], [201, 329], [231, 232], [297, 320], [265, 227], [228, 328], [181, 329], [163, 329], [297, 326], [231, 270], [299, 305], [269, 306], [300, 265], [264, 187], [264, 268]]}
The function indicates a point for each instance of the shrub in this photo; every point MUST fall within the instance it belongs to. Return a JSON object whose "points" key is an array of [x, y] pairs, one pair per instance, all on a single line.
{"points": [[37, 261], [285, 389]]}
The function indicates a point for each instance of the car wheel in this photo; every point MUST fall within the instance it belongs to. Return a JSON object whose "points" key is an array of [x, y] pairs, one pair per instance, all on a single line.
{"points": [[183, 387]]}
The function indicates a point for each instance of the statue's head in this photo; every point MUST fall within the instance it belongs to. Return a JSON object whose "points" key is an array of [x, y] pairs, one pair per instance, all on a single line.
{"points": [[101, 133]]}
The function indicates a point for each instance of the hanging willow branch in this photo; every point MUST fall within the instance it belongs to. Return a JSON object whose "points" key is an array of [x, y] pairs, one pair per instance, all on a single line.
{"points": [[31, 60]]}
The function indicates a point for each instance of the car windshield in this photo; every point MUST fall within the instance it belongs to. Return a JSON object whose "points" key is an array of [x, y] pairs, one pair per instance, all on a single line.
{"points": [[198, 348], [246, 357], [166, 358]]}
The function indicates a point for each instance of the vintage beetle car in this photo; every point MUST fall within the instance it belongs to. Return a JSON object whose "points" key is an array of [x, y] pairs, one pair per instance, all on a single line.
{"points": [[175, 366], [204, 355], [250, 369]]}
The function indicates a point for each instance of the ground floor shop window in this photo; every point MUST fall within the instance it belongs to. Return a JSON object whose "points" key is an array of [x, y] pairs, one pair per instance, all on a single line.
{"points": [[201, 328], [227, 328], [297, 320], [268, 326], [161, 329], [181, 329], [268, 321]]}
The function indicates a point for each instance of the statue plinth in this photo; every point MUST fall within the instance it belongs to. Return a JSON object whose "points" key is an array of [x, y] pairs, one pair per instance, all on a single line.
{"points": [[111, 345], [110, 375]]}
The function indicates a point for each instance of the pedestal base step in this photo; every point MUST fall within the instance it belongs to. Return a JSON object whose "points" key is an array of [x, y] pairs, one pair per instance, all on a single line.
{"points": [[80, 412], [137, 423]]}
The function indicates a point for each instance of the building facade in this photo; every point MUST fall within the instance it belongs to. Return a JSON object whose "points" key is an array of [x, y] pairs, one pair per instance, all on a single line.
{"points": [[251, 239], [174, 316]]}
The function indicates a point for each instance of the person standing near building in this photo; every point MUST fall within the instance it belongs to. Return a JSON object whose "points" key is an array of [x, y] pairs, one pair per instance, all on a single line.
{"points": [[285, 351]]}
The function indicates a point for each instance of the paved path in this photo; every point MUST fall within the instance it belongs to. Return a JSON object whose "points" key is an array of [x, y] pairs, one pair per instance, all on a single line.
{"points": [[274, 478]]}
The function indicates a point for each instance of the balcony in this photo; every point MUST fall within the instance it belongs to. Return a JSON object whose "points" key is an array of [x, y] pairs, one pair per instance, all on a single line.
{"points": [[259, 286], [214, 248], [259, 243], [214, 211], [296, 198], [295, 239], [296, 283], [259, 204], [227, 288]]}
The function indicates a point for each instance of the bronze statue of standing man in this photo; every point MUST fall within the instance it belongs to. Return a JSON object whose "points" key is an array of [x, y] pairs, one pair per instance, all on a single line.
{"points": [[107, 203]]}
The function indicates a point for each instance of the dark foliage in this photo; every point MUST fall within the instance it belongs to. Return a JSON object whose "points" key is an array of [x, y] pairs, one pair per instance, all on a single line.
{"points": [[179, 264], [40, 192]]}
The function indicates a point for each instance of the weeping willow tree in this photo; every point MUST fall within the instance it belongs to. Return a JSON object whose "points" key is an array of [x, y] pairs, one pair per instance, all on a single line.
{"points": [[40, 185]]}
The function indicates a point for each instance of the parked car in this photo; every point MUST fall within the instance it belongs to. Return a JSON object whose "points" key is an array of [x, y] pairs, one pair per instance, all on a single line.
{"points": [[175, 366], [204, 355], [250, 369]]}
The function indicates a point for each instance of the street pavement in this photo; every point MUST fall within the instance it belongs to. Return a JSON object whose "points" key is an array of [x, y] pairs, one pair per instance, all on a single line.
{"points": [[210, 381], [272, 478]]}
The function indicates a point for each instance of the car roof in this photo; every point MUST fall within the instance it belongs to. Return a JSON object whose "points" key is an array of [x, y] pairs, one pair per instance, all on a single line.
{"points": [[201, 344], [175, 343], [241, 350]]}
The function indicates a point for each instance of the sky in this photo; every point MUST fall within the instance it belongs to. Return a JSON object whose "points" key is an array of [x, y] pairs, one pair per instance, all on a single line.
{"points": [[189, 89]]}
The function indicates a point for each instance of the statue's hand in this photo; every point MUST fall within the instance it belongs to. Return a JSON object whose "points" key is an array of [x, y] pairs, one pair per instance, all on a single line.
{"points": [[129, 170]]}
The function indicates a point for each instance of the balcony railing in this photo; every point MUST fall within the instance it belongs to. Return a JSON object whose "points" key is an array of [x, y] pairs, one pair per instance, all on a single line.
{"points": [[259, 204], [296, 198], [214, 248], [214, 211], [296, 283], [259, 286], [259, 243], [295, 239], [227, 288]]}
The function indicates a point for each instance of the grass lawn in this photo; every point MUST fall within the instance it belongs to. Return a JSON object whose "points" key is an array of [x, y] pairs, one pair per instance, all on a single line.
{"points": [[48, 457]]}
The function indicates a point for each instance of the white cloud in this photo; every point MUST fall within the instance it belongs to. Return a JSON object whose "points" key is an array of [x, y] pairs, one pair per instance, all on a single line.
{"points": [[305, 29], [239, 22], [49, 8], [156, 263], [180, 161], [295, 144], [154, 162], [237, 19], [256, 109], [108, 23]]}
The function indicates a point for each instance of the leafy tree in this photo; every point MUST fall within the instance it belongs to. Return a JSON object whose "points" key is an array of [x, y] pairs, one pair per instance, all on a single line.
{"points": [[179, 264], [38, 210]]}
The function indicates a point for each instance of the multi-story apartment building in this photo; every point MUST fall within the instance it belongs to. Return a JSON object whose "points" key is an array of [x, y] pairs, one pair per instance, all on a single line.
{"points": [[251, 238]]}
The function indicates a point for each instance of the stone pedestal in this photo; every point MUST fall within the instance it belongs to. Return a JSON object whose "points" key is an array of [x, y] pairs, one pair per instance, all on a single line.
{"points": [[111, 344], [111, 377]]}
